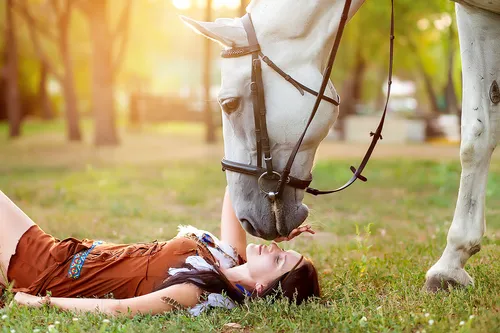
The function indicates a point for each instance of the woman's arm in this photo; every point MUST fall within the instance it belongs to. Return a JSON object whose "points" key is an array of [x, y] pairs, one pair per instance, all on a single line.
{"points": [[233, 233], [187, 295], [231, 230]]}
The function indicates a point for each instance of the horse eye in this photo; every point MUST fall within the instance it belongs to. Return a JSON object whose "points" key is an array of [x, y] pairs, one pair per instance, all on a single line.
{"points": [[229, 105]]}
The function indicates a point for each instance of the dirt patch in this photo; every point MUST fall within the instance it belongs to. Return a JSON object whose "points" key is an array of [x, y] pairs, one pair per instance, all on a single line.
{"points": [[338, 150]]}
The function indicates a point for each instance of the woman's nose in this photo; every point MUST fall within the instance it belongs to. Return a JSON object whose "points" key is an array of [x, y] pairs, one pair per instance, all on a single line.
{"points": [[275, 247]]}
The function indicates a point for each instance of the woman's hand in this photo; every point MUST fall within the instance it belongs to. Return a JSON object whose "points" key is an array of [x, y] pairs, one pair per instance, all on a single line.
{"points": [[295, 233], [30, 300]]}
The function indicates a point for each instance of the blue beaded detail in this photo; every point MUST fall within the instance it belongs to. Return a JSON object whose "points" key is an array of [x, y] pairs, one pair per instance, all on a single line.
{"points": [[208, 240], [243, 290], [78, 261]]}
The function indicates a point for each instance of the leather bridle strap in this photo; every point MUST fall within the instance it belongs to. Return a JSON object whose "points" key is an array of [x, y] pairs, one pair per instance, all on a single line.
{"points": [[251, 170], [259, 105], [236, 52], [321, 92], [252, 49], [300, 87], [377, 135]]}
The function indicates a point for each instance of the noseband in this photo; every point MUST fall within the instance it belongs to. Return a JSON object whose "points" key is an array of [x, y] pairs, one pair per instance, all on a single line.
{"points": [[270, 181]]}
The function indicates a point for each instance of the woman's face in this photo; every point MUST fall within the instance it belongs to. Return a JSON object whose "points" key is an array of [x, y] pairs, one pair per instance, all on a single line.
{"points": [[266, 263]]}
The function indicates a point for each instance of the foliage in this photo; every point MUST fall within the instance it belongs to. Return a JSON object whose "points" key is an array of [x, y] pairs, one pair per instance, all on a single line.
{"points": [[164, 56], [370, 29], [371, 279]]}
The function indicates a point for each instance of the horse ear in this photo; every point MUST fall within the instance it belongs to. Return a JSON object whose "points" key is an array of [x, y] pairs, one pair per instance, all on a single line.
{"points": [[227, 32]]}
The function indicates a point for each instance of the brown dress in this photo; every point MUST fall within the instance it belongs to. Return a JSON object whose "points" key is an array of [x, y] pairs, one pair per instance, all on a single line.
{"points": [[41, 264]]}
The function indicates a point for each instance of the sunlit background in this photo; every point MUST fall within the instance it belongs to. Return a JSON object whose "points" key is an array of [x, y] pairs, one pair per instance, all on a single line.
{"points": [[216, 4], [158, 70]]}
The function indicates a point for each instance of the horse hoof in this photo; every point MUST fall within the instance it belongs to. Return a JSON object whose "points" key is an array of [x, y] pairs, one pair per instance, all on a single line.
{"points": [[444, 281]]}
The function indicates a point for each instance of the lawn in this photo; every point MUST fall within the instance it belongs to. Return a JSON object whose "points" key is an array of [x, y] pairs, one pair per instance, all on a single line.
{"points": [[374, 244]]}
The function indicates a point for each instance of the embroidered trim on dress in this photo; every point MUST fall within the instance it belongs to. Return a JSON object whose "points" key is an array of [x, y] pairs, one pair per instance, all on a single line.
{"points": [[78, 260]]}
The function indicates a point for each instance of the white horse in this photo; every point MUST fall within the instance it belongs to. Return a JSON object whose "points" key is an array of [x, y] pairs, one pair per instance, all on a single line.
{"points": [[297, 36]]}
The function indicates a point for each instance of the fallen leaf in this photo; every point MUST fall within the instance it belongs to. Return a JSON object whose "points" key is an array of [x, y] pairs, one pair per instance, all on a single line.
{"points": [[233, 325]]}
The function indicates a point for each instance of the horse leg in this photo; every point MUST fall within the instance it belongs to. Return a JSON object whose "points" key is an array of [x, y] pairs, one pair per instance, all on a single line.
{"points": [[479, 32]]}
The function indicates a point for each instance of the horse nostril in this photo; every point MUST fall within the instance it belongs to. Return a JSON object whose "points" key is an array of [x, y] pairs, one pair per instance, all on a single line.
{"points": [[249, 227]]}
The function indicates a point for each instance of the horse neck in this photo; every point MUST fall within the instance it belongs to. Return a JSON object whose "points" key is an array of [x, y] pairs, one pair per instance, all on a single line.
{"points": [[303, 32]]}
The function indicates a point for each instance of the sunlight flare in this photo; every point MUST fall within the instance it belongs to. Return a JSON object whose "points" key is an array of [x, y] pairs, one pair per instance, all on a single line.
{"points": [[216, 4]]}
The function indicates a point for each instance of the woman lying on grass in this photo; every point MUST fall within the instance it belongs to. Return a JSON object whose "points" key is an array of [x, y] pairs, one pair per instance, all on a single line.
{"points": [[194, 270]]}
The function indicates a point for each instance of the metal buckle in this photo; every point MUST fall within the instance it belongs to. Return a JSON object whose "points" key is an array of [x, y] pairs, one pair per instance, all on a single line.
{"points": [[270, 194]]}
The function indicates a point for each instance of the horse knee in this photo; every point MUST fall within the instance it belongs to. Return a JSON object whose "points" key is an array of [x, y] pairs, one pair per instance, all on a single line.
{"points": [[475, 143]]}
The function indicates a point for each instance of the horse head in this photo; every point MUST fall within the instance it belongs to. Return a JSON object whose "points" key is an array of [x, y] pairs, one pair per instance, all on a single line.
{"points": [[296, 36]]}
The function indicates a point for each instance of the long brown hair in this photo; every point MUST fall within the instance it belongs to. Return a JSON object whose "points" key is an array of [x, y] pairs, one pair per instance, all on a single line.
{"points": [[298, 285]]}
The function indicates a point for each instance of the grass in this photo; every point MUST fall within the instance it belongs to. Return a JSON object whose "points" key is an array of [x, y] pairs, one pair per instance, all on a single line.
{"points": [[374, 243]]}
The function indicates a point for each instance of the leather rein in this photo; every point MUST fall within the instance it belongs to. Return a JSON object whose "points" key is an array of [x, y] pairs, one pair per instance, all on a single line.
{"points": [[267, 173]]}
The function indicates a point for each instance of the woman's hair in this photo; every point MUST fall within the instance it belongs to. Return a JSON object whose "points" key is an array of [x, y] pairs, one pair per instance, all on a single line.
{"points": [[297, 285]]}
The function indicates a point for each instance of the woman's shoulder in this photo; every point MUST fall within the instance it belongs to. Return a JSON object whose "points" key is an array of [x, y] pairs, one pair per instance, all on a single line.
{"points": [[225, 254]]}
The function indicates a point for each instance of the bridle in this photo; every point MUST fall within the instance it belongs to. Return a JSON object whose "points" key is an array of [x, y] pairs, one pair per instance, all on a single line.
{"points": [[268, 173]]}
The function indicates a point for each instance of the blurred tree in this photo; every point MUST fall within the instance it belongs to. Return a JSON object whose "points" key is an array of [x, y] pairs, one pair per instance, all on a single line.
{"points": [[429, 47], [452, 104], [11, 73], [428, 80], [207, 66], [108, 51], [62, 12], [352, 90], [422, 52], [43, 97]]}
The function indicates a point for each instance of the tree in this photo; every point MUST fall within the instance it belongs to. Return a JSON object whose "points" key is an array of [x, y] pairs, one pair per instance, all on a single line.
{"points": [[429, 87], [352, 90], [430, 47], [47, 112], [11, 74], [62, 11], [207, 66], [421, 47], [452, 104], [108, 50]]}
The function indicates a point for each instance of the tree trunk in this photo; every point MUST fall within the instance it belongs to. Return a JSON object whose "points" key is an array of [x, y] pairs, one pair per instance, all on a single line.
{"points": [[102, 76], [209, 123], [12, 92], [46, 110], [68, 82], [452, 104], [450, 95], [431, 94], [352, 93]]}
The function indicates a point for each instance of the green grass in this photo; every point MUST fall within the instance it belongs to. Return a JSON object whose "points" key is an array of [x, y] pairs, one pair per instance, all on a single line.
{"points": [[374, 244]]}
